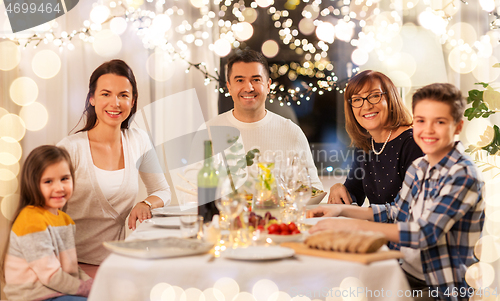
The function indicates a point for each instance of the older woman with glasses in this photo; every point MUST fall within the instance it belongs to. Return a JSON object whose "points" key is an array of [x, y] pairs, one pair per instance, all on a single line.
{"points": [[379, 126]]}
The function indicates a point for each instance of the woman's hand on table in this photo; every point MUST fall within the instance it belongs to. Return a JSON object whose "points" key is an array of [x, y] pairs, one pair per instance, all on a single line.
{"points": [[141, 212], [339, 195]]}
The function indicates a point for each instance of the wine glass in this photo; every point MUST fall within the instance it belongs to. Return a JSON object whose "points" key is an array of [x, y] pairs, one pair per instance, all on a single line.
{"points": [[301, 193], [231, 203]]}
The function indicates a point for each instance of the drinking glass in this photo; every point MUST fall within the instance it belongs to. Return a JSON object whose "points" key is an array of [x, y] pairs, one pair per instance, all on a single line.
{"points": [[191, 226], [231, 203], [301, 193]]}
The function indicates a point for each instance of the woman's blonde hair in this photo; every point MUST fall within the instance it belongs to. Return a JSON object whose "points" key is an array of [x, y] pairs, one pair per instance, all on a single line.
{"points": [[31, 174], [398, 114]]}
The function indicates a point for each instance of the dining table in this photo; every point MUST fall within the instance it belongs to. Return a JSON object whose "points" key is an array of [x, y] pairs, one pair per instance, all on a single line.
{"points": [[207, 277]]}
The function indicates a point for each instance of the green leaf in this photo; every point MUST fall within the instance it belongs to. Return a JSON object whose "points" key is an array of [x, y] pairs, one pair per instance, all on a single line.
{"points": [[232, 157], [236, 148], [476, 95], [483, 84], [468, 112], [232, 140], [242, 163], [497, 65]]}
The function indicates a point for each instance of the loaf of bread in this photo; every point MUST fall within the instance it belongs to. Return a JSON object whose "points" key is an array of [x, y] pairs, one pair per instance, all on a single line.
{"points": [[342, 241]]}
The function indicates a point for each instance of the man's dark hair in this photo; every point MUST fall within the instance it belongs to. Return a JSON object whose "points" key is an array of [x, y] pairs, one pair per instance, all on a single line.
{"points": [[247, 56]]}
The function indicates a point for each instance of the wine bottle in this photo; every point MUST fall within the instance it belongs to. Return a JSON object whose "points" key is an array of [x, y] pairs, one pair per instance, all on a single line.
{"points": [[207, 186]]}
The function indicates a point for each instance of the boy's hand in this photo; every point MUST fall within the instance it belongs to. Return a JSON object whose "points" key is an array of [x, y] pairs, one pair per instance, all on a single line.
{"points": [[339, 195], [336, 224], [331, 211]]}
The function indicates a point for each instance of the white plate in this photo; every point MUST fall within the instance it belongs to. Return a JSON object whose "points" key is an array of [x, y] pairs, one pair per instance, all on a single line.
{"points": [[159, 248], [314, 220], [175, 211], [165, 223], [286, 238], [316, 199], [258, 253]]}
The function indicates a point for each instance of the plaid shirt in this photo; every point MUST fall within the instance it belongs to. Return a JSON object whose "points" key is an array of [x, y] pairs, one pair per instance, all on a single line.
{"points": [[446, 232]]}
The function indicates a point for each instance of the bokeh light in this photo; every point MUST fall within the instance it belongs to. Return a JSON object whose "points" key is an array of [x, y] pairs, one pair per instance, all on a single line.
{"points": [[484, 72], [250, 14], [403, 62], [306, 26], [475, 126], [243, 296], [106, 43], [197, 3], [46, 64], [118, 25], [11, 55], [12, 126], [487, 5], [3, 112], [463, 31], [279, 296], [6, 175], [270, 48], [462, 59], [160, 66], [344, 30], [263, 289], [157, 291], [229, 287], [10, 151], [222, 47], [192, 294], [359, 56], [311, 11], [350, 283], [326, 32], [8, 187], [14, 168], [35, 116], [99, 14], [432, 21], [487, 248], [264, 3], [480, 275], [243, 31], [9, 205], [213, 294], [172, 293], [23, 91], [492, 224]]}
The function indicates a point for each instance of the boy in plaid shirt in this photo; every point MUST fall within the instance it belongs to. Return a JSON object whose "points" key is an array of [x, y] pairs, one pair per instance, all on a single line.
{"points": [[438, 215]]}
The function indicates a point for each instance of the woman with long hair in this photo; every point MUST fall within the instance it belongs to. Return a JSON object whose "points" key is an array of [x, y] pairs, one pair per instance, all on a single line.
{"points": [[379, 126], [108, 157]]}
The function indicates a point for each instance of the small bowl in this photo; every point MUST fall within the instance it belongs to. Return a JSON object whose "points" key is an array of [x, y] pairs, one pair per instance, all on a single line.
{"points": [[317, 199], [285, 238]]}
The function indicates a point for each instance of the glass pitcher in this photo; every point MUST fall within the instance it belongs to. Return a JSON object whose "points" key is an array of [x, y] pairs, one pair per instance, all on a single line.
{"points": [[265, 196]]}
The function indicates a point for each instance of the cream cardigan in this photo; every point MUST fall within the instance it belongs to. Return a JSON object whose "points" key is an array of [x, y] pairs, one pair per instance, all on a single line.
{"points": [[95, 218]]}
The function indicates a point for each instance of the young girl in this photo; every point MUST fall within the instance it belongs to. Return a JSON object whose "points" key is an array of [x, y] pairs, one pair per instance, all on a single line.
{"points": [[40, 260]]}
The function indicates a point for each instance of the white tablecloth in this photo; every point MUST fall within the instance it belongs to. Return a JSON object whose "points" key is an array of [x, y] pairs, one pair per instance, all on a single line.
{"points": [[124, 278]]}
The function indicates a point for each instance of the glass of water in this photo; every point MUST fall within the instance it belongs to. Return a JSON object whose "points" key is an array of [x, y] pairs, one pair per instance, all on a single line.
{"points": [[191, 226]]}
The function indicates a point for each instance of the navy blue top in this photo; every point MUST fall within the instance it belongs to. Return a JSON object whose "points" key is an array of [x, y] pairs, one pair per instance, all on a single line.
{"points": [[380, 177]]}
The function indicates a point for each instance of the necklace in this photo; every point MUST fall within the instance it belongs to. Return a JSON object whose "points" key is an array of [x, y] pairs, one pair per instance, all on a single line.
{"points": [[383, 146]]}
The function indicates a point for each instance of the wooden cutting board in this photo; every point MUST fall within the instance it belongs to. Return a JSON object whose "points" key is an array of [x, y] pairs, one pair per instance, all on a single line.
{"points": [[301, 248]]}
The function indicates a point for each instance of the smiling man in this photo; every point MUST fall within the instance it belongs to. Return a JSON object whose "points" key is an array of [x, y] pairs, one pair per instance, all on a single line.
{"points": [[249, 84]]}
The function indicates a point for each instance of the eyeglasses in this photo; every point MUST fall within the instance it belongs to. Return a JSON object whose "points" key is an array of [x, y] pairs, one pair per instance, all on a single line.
{"points": [[374, 98]]}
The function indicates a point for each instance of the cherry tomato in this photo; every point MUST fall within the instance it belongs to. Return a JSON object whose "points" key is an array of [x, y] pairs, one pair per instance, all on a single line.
{"points": [[283, 227], [274, 228], [285, 232], [296, 231], [292, 226]]}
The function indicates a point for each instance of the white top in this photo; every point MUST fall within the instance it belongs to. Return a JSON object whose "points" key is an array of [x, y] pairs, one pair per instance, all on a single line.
{"points": [[97, 218], [109, 181], [272, 133], [412, 262]]}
